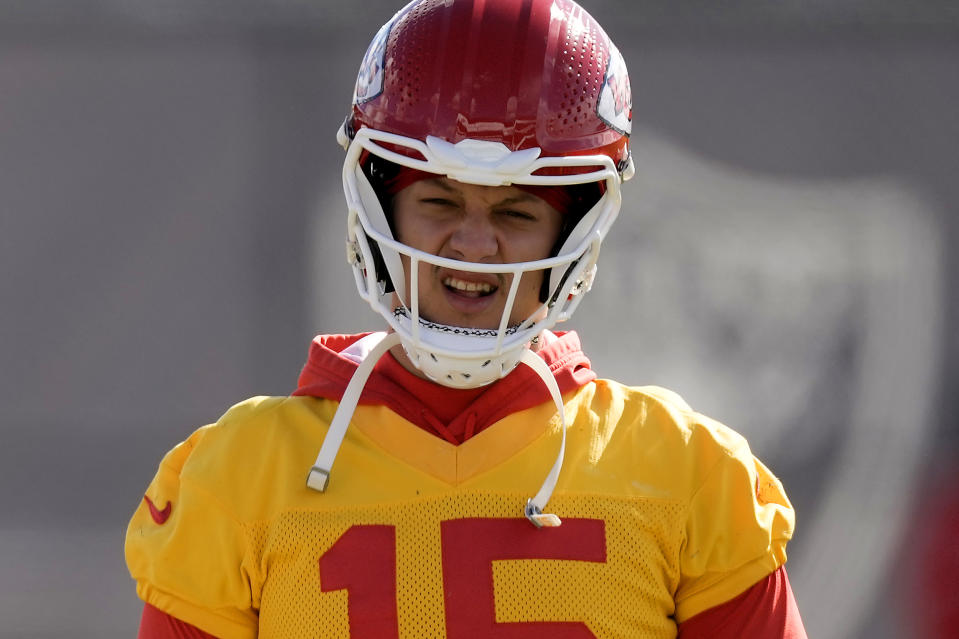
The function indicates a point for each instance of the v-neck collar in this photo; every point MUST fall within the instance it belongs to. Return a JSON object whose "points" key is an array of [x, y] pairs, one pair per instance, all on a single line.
{"points": [[454, 464]]}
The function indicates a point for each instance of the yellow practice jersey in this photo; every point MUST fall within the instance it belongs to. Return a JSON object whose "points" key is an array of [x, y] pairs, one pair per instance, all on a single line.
{"points": [[665, 514]]}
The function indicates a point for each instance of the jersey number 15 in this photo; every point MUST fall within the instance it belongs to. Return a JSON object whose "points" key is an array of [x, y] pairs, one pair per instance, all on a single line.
{"points": [[363, 562]]}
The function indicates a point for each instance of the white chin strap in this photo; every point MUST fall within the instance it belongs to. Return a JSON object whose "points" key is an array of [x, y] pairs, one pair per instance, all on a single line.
{"points": [[319, 477], [459, 357]]}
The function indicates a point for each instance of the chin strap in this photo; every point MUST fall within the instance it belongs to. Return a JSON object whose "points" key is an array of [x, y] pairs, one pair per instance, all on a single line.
{"points": [[319, 477]]}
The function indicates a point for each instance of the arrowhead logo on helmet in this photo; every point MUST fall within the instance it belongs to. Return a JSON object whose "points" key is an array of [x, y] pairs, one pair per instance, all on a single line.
{"points": [[615, 106], [369, 80]]}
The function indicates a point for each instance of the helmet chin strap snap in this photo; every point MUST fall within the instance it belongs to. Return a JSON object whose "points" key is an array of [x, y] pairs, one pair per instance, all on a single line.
{"points": [[319, 476]]}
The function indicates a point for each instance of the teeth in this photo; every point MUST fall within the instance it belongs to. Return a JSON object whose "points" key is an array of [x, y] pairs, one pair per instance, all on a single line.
{"points": [[469, 287]]}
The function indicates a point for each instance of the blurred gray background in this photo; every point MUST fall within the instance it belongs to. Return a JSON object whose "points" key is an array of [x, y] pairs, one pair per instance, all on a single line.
{"points": [[171, 239]]}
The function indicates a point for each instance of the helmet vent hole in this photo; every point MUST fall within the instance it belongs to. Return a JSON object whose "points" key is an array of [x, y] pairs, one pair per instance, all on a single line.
{"points": [[585, 60]]}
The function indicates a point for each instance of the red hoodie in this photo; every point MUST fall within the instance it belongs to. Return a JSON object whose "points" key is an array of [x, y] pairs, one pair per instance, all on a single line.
{"points": [[451, 413]]}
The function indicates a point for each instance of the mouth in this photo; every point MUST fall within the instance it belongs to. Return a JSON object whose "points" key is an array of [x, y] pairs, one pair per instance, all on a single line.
{"points": [[469, 289]]}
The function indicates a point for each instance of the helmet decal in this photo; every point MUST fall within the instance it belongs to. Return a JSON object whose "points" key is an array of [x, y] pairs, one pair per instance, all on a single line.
{"points": [[369, 80], [615, 105]]}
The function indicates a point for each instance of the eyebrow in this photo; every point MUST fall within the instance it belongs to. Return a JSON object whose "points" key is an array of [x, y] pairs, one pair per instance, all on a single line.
{"points": [[521, 197]]}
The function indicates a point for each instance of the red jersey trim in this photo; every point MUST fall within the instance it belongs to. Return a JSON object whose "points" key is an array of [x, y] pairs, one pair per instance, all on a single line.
{"points": [[767, 610], [156, 624]]}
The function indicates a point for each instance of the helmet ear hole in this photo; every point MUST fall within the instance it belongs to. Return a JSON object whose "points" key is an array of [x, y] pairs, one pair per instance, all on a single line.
{"points": [[377, 204], [379, 266], [549, 294], [379, 174], [583, 199]]}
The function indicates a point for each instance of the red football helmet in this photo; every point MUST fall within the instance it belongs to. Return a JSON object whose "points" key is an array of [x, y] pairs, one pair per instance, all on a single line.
{"points": [[490, 92]]}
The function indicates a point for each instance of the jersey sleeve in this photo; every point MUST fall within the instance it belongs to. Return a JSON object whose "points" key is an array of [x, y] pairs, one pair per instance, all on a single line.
{"points": [[186, 551], [767, 610], [738, 523], [156, 624]]}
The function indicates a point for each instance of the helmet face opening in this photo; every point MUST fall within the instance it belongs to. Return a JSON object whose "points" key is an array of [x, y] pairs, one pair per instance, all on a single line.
{"points": [[387, 179], [545, 106]]}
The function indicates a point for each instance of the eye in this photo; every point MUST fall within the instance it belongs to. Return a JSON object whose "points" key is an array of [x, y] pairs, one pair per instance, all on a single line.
{"points": [[437, 201], [518, 214]]}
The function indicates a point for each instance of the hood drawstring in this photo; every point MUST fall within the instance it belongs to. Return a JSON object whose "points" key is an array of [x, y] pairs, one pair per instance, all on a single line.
{"points": [[534, 507], [439, 427], [470, 428], [319, 476]]}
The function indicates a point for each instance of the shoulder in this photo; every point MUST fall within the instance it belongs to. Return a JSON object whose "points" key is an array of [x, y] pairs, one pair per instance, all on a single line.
{"points": [[200, 516], [668, 446], [735, 516], [255, 453], [260, 421], [658, 413]]}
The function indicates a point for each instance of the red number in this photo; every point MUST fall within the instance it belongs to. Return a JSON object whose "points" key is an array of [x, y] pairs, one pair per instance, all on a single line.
{"points": [[363, 562], [471, 545]]}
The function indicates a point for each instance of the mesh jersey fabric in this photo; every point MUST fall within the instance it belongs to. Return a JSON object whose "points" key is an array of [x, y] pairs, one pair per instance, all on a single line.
{"points": [[666, 513]]}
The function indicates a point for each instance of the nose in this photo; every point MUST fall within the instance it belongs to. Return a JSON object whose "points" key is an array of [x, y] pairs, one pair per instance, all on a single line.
{"points": [[474, 238]]}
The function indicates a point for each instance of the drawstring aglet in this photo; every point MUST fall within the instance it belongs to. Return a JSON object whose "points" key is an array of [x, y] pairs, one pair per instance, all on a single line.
{"points": [[540, 519], [318, 479]]}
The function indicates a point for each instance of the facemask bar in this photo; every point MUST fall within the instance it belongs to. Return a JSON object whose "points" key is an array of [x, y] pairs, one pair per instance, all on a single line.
{"points": [[476, 161], [414, 298], [555, 312]]}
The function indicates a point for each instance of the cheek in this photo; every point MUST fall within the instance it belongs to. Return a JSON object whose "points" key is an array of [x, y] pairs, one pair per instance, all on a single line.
{"points": [[527, 297], [419, 236], [401, 228], [404, 221], [424, 280], [536, 247]]}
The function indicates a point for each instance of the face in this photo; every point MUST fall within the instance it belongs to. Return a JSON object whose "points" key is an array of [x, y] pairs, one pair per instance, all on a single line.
{"points": [[471, 223]]}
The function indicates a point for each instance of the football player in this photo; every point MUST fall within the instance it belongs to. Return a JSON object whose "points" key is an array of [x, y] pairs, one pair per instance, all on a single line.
{"points": [[464, 473]]}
